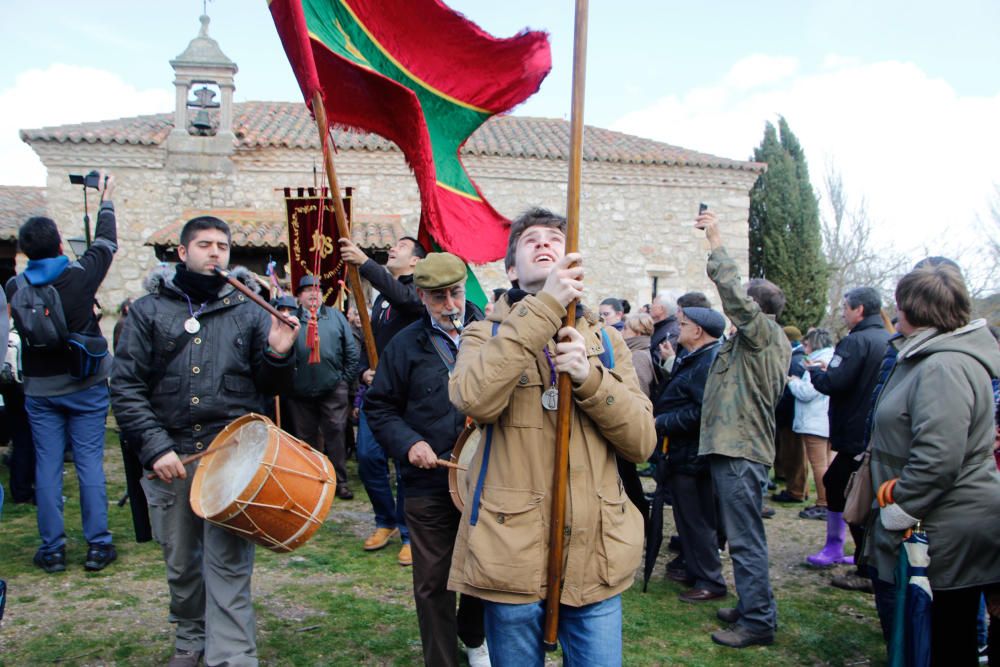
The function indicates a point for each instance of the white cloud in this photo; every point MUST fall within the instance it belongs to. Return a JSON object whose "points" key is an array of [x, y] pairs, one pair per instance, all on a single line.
{"points": [[58, 95], [923, 155], [759, 70]]}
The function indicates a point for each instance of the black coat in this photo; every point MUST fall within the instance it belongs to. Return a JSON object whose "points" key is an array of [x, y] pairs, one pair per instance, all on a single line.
{"points": [[784, 412], [174, 390], [396, 307], [678, 410], [408, 402], [849, 381]]}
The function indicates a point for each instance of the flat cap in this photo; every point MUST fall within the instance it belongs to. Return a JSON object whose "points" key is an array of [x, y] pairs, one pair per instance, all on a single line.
{"points": [[307, 281], [439, 270], [711, 321], [792, 333], [286, 301]]}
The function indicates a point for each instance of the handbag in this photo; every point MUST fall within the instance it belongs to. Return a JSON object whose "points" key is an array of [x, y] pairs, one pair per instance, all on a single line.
{"points": [[859, 494]]}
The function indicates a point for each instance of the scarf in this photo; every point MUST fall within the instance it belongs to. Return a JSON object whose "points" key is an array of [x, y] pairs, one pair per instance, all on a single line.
{"points": [[199, 287]]}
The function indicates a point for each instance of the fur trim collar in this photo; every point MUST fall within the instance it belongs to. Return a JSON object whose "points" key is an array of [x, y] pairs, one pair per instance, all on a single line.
{"points": [[161, 280]]}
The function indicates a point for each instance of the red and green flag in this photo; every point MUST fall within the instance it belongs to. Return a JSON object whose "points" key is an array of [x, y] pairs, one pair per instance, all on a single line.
{"points": [[424, 77]]}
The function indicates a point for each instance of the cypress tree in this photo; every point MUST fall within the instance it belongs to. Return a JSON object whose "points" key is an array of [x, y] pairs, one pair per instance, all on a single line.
{"points": [[785, 240]]}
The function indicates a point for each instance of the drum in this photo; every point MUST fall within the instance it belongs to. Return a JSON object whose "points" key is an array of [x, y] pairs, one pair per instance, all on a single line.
{"points": [[263, 484], [459, 481]]}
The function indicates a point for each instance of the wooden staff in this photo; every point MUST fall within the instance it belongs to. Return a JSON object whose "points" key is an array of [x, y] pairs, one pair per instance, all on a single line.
{"points": [[338, 212], [561, 473], [256, 298]]}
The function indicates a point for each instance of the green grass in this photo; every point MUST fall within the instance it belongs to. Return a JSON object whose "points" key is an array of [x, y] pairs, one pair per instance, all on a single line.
{"points": [[331, 603]]}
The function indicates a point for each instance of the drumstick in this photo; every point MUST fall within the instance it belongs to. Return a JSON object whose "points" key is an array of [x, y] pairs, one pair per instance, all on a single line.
{"points": [[448, 464], [194, 457]]}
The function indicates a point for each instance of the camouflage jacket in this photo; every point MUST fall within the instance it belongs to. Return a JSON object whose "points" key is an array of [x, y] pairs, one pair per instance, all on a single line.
{"points": [[748, 376]]}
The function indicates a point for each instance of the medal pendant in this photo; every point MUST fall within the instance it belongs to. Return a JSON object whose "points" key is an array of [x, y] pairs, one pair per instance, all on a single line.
{"points": [[192, 326], [550, 399]]}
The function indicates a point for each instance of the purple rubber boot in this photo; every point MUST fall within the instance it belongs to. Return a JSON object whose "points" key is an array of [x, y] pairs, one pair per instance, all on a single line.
{"points": [[832, 552]]}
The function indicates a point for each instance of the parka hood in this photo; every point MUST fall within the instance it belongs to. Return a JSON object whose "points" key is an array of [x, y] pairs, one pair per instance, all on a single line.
{"points": [[973, 339]]}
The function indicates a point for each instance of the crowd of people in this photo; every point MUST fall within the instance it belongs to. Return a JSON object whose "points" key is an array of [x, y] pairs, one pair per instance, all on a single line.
{"points": [[707, 399]]}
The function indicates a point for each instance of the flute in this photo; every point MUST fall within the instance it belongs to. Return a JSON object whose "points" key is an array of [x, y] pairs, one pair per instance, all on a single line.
{"points": [[256, 298]]}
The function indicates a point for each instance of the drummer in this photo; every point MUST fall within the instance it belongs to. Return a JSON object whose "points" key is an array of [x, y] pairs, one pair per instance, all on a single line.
{"points": [[409, 413], [194, 355]]}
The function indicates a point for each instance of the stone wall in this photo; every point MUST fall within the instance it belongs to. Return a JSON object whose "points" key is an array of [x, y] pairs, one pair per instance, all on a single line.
{"points": [[636, 220]]}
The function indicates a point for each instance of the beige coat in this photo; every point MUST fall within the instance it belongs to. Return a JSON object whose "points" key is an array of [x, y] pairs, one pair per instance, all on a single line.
{"points": [[499, 380]]}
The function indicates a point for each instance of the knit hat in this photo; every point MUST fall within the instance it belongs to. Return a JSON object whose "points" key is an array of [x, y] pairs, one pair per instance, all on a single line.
{"points": [[793, 333], [711, 321]]}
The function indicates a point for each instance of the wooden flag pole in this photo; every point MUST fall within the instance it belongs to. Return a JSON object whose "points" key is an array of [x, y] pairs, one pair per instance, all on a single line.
{"points": [[353, 278], [560, 475]]}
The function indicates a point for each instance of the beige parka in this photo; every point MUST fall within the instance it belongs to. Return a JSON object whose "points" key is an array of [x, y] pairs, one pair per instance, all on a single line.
{"points": [[499, 380]]}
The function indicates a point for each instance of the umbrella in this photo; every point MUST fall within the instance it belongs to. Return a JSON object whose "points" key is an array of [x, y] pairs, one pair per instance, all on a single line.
{"points": [[910, 643], [654, 528]]}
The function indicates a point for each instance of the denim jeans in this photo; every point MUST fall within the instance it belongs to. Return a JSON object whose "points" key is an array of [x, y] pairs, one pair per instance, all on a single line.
{"points": [[373, 471], [590, 636], [738, 485], [76, 420]]}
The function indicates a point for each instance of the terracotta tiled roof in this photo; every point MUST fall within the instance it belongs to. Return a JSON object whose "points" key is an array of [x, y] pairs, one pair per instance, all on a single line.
{"points": [[17, 204], [267, 229], [288, 124]]}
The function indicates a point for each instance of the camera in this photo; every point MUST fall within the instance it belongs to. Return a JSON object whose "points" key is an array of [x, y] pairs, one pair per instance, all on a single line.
{"points": [[91, 180], [702, 207]]}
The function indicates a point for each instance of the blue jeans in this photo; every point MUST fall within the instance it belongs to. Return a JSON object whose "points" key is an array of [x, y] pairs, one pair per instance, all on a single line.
{"points": [[590, 636], [373, 469], [76, 420], [737, 484]]}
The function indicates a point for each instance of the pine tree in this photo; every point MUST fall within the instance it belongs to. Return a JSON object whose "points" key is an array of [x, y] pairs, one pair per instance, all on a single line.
{"points": [[785, 239]]}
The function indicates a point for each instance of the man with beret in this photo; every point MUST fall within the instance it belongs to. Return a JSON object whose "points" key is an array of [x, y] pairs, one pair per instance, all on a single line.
{"points": [[678, 417], [410, 415], [737, 434], [319, 402]]}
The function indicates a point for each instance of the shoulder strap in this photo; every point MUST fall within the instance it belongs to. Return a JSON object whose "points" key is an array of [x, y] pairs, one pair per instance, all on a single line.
{"points": [[608, 356], [53, 303], [481, 480], [443, 350]]}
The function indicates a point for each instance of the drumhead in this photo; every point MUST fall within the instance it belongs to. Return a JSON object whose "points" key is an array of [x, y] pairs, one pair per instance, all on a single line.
{"points": [[459, 481], [228, 473]]}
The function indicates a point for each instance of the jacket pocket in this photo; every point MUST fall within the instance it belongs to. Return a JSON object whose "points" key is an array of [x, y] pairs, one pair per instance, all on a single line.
{"points": [[620, 548], [170, 384], [238, 384], [160, 497], [505, 546], [525, 408]]}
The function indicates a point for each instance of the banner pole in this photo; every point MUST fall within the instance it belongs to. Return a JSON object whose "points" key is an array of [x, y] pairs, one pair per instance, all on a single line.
{"points": [[353, 277]]}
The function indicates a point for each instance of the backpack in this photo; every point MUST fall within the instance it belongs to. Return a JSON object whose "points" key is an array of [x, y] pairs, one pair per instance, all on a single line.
{"points": [[38, 315]]}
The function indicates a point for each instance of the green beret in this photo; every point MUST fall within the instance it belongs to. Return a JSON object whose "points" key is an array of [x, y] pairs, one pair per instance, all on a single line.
{"points": [[439, 270], [793, 333]]}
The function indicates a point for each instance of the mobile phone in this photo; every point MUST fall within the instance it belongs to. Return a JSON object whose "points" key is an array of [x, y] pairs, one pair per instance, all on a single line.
{"points": [[702, 207]]}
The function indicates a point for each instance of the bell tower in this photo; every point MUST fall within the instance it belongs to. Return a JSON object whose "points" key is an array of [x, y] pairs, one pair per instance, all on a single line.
{"points": [[202, 138]]}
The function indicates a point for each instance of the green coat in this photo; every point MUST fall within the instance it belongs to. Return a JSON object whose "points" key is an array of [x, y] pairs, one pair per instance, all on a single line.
{"points": [[748, 376], [934, 430]]}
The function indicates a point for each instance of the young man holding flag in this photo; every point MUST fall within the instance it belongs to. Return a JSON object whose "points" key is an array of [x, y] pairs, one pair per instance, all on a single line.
{"points": [[504, 379]]}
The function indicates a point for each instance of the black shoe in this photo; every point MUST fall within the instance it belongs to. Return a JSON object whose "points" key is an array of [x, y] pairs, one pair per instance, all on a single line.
{"points": [[51, 562], [99, 556], [728, 614], [739, 637], [674, 544], [785, 497], [814, 512], [766, 512], [345, 493], [771, 486]]}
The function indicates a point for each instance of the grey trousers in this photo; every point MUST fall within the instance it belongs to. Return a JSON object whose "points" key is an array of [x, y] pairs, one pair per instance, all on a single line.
{"points": [[326, 414], [694, 516], [208, 572], [738, 484]]}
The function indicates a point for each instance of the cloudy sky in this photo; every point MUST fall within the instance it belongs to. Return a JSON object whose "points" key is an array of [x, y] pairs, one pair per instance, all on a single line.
{"points": [[902, 97]]}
